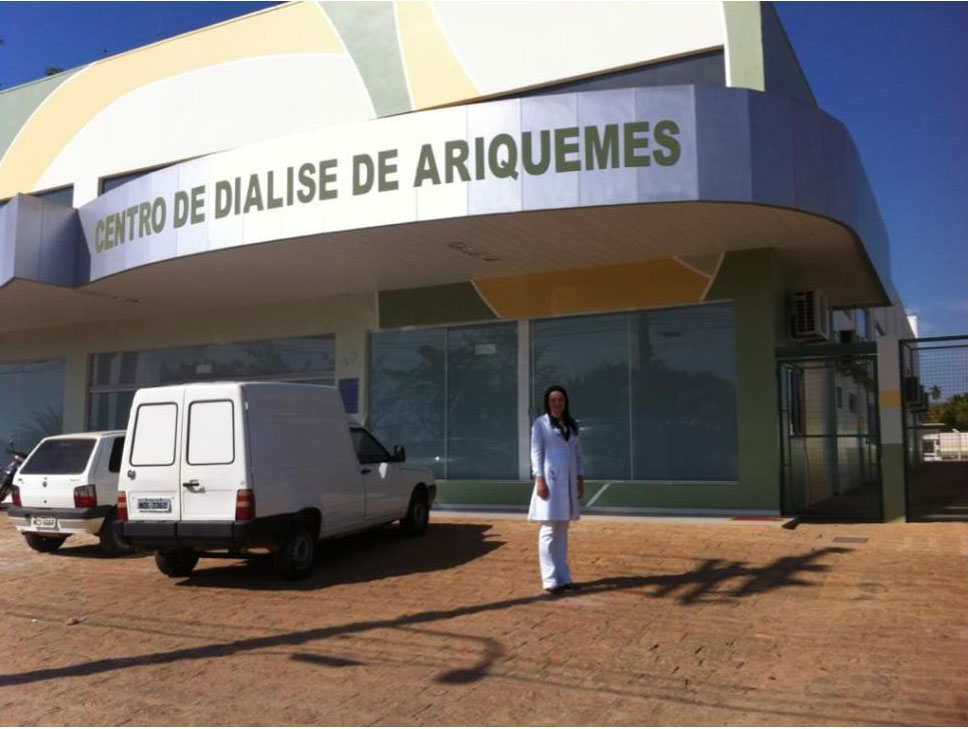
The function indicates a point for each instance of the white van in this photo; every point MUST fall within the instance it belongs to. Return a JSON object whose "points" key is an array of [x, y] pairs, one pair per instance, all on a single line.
{"points": [[68, 485], [236, 466]]}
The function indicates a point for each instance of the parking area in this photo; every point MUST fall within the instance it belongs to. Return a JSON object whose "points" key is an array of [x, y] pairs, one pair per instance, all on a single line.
{"points": [[678, 622]]}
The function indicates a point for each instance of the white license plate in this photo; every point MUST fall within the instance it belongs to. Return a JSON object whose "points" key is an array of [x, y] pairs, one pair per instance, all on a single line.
{"points": [[43, 522], [156, 505]]}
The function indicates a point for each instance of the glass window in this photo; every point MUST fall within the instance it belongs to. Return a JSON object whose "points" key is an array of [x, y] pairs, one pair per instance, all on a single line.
{"points": [[31, 402], [62, 195], [60, 457], [683, 406], [368, 448], [154, 435], [109, 183], [407, 401], [449, 396], [482, 402], [116, 375], [211, 433], [589, 357], [117, 449], [654, 391]]}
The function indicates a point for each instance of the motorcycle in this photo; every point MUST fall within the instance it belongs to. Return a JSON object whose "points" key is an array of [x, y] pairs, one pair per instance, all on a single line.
{"points": [[8, 473]]}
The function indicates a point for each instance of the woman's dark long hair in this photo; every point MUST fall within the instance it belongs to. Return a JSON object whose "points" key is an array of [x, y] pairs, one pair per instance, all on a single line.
{"points": [[566, 425]]}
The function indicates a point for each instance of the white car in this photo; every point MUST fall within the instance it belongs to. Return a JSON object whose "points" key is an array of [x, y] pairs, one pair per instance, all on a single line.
{"points": [[69, 485], [235, 466]]}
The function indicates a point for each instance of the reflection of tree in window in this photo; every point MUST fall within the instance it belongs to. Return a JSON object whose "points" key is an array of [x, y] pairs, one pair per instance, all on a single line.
{"points": [[37, 426], [407, 394]]}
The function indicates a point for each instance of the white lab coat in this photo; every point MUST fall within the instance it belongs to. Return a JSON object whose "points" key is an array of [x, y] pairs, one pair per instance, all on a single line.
{"points": [[559, 461]]}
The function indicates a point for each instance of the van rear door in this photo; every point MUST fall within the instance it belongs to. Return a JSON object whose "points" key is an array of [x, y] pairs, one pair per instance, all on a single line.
{"points": [[213, 465], [152, 465]]}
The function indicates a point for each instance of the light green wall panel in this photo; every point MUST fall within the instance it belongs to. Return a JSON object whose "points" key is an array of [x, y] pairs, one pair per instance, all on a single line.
{"points": [[744, 49], [447, 304], [17, 104], [369, 31]]}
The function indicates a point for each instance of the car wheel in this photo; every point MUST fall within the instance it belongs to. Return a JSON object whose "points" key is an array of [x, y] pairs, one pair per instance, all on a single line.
{"points": [[418, 514], [176, 562], [111, 543], [296, 555], [41, 543]]}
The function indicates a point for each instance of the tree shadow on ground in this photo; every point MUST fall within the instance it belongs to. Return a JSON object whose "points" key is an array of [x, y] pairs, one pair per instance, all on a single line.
{"points": [[375, 554], [697, 584]]}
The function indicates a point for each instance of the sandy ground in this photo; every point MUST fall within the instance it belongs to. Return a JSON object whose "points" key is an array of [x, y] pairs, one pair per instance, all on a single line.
{"points": [[677, 623]]}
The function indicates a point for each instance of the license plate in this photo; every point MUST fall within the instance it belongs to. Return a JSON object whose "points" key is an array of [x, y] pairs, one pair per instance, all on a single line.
{"points": [[43, 522], [158, 505]]}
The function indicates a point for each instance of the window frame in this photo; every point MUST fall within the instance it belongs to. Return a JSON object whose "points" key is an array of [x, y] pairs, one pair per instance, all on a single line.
{"points": [[188, 432], [134, 436]]}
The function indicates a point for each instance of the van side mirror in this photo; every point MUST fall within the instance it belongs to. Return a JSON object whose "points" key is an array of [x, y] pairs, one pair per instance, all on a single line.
{"points": [[399, 453]]}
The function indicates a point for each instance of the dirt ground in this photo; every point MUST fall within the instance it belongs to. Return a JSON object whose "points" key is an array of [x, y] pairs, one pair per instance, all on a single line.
{"points": [[721, 623]]}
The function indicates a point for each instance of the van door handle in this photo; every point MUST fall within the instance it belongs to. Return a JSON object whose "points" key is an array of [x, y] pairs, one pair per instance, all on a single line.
{"points": [[193, 484], [364, 470]]}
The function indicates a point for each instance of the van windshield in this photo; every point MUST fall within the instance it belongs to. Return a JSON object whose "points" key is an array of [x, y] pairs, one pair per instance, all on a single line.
{"points": [[60, 457]]}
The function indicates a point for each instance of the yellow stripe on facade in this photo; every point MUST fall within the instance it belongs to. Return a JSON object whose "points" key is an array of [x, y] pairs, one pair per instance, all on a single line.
{"points": [[889, 399], [433, 72], [631, 286], [295, 28]]}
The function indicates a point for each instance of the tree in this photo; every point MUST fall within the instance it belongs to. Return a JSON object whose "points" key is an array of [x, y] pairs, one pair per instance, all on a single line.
{"points": [[953, 412]]}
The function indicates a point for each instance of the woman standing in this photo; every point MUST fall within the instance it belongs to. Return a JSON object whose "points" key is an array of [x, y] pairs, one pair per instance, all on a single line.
{"points": [[558, 485]]}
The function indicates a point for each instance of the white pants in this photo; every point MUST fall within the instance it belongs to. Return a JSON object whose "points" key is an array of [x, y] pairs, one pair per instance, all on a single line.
{"points": [[553, 554]]}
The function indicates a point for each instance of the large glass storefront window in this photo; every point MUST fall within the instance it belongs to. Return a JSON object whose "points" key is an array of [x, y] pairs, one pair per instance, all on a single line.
{"points": [[115, 376], [654, 391], [31, 402], [450, 396]]}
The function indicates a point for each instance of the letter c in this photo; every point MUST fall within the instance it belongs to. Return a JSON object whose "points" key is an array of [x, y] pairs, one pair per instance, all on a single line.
{"points": [[99, 237]]}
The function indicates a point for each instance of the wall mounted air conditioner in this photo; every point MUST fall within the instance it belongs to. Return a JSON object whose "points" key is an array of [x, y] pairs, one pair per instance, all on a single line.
{"points": [[811, 318]]}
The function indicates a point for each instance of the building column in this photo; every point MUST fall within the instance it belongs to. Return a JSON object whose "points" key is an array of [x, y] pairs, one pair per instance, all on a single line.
{"points": [[76, 380], [891, 428]]}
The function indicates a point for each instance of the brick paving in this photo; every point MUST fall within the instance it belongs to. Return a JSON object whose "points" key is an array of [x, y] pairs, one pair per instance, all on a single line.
{"points": [[677, 624]]}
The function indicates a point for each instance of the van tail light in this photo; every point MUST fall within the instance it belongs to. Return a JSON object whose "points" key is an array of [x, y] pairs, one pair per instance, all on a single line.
{"points": [[85, 497], [244, 505], [15, 495], [122, 507]]}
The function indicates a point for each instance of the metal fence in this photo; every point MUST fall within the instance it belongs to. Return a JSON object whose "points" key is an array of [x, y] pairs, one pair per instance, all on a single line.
{"points": [[934, 396], [830, 449]]}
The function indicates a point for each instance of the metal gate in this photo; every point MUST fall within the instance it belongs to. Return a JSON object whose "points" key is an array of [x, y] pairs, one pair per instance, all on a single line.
{"points": [[829, 443], [934, 398]]}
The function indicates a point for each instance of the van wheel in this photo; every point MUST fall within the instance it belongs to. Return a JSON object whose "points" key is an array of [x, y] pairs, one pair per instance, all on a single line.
{"points": [[176, 562], [111, 543], [418, 514], [296, 555], [43, 544]]}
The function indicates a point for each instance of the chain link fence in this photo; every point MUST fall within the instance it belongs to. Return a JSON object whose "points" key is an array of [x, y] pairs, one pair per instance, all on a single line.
{"points": [[934, 393]]}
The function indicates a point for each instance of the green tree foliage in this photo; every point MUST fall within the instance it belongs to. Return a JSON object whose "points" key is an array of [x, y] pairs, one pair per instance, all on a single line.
{"points": [[953, 412]]}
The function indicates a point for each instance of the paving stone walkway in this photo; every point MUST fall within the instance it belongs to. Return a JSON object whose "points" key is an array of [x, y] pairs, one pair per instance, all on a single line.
{"points": [[723, 622]]}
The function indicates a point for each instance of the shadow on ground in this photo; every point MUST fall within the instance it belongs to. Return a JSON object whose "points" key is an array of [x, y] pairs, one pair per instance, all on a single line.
{"points": [[694, 586], [91, 551], [375, 554]]}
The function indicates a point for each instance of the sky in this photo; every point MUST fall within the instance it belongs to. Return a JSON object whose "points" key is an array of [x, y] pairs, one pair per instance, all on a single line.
{"points": [[893, 73]]}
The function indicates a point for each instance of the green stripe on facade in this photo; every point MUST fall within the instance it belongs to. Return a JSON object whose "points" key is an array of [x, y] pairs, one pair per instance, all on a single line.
{"points": [[744, 37], [631, 495], [447, 304], [369, 31], [750, 280], [892, 481], [17, 104]]}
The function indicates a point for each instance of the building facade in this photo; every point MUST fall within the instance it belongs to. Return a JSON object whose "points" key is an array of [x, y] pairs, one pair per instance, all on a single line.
{"points": [[442, 209]]}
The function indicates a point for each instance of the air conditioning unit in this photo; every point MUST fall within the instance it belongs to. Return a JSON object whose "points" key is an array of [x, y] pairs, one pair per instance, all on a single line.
{"points": [[811, 318]]}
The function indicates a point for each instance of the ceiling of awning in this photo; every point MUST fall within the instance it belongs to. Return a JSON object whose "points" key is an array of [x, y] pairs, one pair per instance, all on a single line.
{"points": [[812, 252]]}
